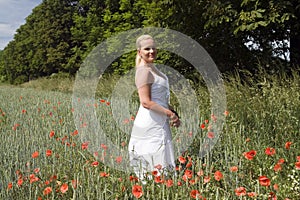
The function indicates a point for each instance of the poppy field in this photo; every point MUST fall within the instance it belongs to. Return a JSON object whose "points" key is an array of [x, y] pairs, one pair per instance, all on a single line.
{"points": [[257, 155]]}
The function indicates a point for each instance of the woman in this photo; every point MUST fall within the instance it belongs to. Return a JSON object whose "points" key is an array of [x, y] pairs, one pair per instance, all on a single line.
{"points": [[150, 144]]}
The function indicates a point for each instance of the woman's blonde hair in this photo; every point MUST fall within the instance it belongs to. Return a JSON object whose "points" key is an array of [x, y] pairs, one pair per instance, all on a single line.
{"points": [[138, 47]]}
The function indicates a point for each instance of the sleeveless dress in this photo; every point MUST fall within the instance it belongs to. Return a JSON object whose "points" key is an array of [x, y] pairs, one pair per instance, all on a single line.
{"points": [[150, 145]]}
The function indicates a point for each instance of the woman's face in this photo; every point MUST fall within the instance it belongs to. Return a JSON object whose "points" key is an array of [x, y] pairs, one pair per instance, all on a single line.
{"points": [[148, 50]]}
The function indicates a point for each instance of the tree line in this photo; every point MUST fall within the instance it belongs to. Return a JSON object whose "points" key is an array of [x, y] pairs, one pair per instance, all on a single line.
{"points": [[59, 34]]}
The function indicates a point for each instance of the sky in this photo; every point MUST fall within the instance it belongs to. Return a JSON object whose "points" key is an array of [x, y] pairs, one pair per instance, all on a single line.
{"points": [[13, 14]]}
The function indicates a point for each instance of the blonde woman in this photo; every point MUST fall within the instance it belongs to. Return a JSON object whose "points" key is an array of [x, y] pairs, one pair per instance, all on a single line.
{"points": [[150, 145]]}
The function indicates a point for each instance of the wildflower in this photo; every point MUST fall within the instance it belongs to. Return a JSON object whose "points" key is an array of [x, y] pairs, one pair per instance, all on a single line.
{"points": [[277, 167], [169, 183], [226, 113], [9, 186], [48, 152], [103, 146], [181, 159], [74, 133], [264, 181], [47, 191], [104, 174], [251, 194], [159, 166], [84, 145], [158, 179], [270, 151], [64, 188], [210, 135], [74, 184], [51, 134], [288, 145], [280, 161], [234, 169], [275, 186], [240, 191], [133, 178], [297, 165], [200, 172], [35, 154], [119, 159], [188, 173], [137, 191], [249, 155], [195, 194], [202, 126], [206, 179], [95, 163], [218, 175], [154, 172], [36, 170], [33, 178]]}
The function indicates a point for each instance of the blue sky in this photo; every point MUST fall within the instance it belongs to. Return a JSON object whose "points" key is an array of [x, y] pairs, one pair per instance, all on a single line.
{"points": [[13, 14]]}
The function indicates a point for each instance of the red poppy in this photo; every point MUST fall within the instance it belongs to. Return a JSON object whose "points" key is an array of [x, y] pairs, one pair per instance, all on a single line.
{"points": [[33, 178], [20, 182], [270, 151], [195, 194], [137, 191], [9, 186], [95, 163], [288, 145], [218, 175], [119, 159], [64, 188], [48, 152], [234, 169], [74, 183], [74, 133], [133, 178], [297, 165], [84, 145], [280, 161], [277, 167], [249, 155], [206, 179], [47, 191], [158, 179], [102, 100], [36, 170], [202, 126], [298, 158], [189, 164], [264, 181], [51, 134], [275, 186], [159, 166], [200, 172], [251, 194], [240, 191], [210, 135], [188, 173], [169, 183], [35, 154], [103, 146], [181, 159], [104, 174], [155, 173]]}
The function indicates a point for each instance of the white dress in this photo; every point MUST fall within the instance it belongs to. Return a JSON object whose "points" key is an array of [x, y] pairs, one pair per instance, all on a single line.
{"points": [[150, 144]]}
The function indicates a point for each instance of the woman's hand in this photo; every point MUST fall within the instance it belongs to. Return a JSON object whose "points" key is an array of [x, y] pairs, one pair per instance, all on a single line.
{"points": [[175, 121]]}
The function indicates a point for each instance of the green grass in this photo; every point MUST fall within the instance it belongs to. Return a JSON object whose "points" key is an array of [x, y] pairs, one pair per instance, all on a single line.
{"points": [[264, 111]]}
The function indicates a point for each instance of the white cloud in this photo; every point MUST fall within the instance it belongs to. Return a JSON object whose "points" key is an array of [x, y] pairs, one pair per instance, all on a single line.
{"points": [[13, 14]]}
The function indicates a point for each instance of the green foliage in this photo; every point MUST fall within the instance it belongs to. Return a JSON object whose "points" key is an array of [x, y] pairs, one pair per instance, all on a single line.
{"points": [[59, 35]]}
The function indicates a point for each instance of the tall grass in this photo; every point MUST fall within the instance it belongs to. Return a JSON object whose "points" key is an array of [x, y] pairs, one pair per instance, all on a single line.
{"points": [[264, 111]]}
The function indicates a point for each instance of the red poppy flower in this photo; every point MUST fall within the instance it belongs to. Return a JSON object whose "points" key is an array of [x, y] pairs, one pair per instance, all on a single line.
{"points": [[234, 169], [280, 161], [210, 135], [102, 100], [51, 134], [47, 191], [119, 159], [137, 191], [206, 179], [95, 163], [169, 183], [249, 155], [104, 174], [35, 154], [251, 194], [9, 186], [195, 194], [270, 151], [133, 178], [48, 152], [240, 191], [84, 145], [264, 181], [218, 175], [189, 164], [158, 179], [64, 188], [288, 145], [181, 159], [298, 158], [277, 167], [297, 165], [200, 172], [20, 182], [188, 173], [33, 178], [202, 126], [155, 173]]}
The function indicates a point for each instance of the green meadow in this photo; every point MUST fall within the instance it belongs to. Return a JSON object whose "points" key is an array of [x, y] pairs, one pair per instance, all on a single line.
{"points": [[257, 155]]}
